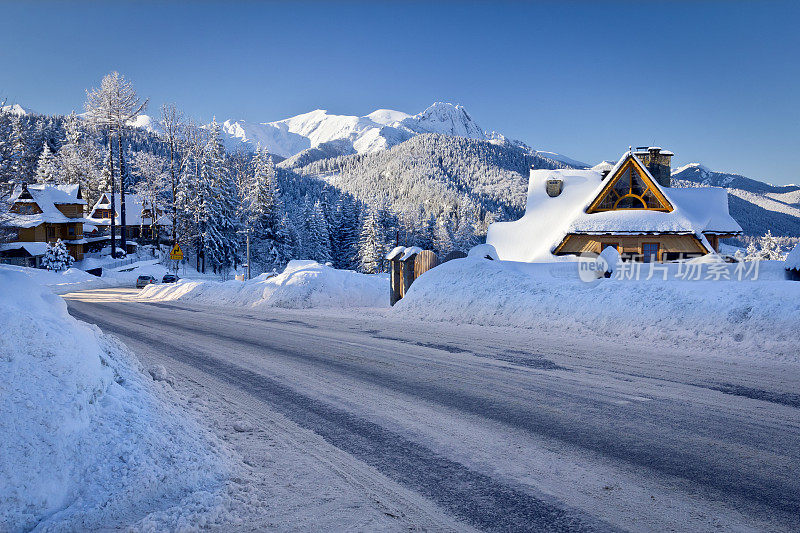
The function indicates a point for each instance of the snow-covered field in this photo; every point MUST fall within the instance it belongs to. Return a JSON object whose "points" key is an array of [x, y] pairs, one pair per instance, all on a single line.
{"points": [[89, 438], [750, 319], [303, 284]]}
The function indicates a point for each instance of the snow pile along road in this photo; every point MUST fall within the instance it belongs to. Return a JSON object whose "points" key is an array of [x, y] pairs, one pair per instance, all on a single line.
{"points": [[751, 319], [69, 280], [303, 284], [89, 440]]}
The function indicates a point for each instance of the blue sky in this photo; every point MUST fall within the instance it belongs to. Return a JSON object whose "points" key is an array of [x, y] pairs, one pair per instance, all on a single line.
{"points": [[714, 82]]}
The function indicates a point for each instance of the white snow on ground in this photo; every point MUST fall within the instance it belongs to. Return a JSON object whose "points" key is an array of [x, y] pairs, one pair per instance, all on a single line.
{"points": [[303, 284], [753, 319], [89, 439], [74, 279]]}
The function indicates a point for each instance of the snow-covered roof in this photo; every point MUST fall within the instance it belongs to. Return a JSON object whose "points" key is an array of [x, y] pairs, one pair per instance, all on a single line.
{"points": [[793, 259], [134, 205], [395, 253], [33, 248], [46, 197], [548, 220], [410, 252]]}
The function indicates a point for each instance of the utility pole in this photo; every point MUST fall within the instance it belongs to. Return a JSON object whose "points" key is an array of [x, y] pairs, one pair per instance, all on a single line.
{"points": [[248, 253]]}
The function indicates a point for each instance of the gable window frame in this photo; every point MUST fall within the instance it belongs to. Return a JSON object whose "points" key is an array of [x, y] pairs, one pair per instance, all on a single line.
{"points": [[614, 194]]}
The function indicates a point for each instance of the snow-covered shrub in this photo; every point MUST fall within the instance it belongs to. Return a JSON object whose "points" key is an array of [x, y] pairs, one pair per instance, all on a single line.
{"points": [[769, 248], [57, 257]]}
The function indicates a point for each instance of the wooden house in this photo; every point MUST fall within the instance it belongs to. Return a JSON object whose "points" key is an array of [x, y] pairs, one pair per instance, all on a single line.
{"points": [[630, 206], [138, 216], [42, 214]]}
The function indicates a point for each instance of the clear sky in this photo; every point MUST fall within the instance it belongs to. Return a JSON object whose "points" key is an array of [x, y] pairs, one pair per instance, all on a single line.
{"points": [[715, 82]]}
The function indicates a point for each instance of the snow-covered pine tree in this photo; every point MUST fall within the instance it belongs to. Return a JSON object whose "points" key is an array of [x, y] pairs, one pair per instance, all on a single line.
{"points": [[57, 257], [263, 211], [5, 145], [18, 165], [350, 233], [464, 237], [46, 169], [770, 247], [288, 240], [752, 252], [371, 247], [443, 239], [321, 238], [219, 205], [81, 160]]}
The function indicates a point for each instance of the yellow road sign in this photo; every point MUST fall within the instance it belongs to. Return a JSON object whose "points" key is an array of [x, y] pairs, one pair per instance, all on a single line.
{"points": [[176, 254]]}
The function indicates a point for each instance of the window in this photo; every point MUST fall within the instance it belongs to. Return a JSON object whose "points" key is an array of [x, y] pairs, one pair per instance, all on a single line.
{"points": [[72, 231], [51, 232], [628, 190], [614, 245], [650, 252]]}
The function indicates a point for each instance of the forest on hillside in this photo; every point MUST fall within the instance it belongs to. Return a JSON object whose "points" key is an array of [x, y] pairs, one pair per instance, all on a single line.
{"points": [[432, 191]]}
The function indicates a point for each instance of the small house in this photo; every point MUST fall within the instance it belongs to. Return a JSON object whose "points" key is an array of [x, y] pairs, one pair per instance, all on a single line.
{"points": [[630, 206], [138, 216]]}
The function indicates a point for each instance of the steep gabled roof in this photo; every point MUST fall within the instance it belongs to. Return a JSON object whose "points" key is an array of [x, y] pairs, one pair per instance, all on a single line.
{"points": [[630, 167], [46, 197], [548, 220]]}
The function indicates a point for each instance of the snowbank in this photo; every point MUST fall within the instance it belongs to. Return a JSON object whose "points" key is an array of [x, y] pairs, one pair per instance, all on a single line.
{"points": [[749, 318], [89, 440], [303, 284], [63, 282]]}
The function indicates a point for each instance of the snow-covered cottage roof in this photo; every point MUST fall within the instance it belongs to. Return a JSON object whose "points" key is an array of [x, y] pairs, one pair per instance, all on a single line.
{"points": [[134, 206], [548, 219], [47, 197], [793, 259], [33, 249]]}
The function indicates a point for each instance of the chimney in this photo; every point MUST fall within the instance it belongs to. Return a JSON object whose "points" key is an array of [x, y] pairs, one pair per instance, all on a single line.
{"points": [[657, 162]]}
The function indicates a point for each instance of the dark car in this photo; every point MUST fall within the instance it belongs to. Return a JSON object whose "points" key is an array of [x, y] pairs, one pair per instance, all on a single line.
{"points": [[169, 278], [144, 281]]}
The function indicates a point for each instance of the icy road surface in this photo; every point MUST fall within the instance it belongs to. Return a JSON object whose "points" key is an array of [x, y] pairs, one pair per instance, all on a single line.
{"points": [[360, 420]]}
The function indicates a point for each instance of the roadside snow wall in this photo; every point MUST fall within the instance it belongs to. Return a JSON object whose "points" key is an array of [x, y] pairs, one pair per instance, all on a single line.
{"points": [[88, 440], [303, 284], [750, 318]]}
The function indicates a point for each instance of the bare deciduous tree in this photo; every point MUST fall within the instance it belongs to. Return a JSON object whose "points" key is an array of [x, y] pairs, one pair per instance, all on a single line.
{"points": [[111, 107], [174, 127]]}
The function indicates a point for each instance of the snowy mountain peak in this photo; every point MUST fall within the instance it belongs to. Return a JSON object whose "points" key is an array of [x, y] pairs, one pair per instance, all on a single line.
{"points": [[16, 109], [387, 116], [705, 171], [447, 119], [379, 130]]}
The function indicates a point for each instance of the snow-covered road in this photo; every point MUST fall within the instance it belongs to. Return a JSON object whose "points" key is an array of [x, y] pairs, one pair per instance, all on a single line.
{"points": [[432, 426]]}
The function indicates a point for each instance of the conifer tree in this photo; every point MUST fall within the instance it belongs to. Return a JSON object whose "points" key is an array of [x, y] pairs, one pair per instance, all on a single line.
{"points": [[57, 257], [371, 244], [18, 159], [219, 205], [46, 169]]}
